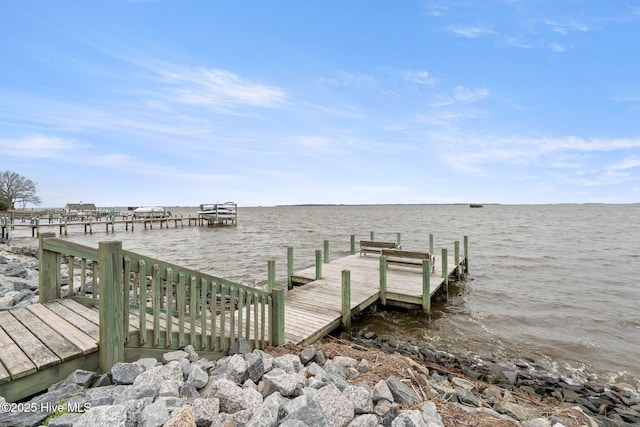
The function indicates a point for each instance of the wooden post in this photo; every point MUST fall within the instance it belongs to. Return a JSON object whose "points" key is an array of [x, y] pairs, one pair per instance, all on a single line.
{"points": [[326, 252], [49, 281], [430, 243], [383, 280], [371, 236], [271, 274], [346, 300], [111, 304], [353, 244], [318, 264], [466, 254], [426, 287], [445, 273], [276, 321], [289, 267], [398, 242], [456, 258]]}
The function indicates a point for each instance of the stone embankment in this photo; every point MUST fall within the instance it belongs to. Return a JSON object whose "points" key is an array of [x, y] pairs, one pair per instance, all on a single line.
{"points": [[363, 382]]}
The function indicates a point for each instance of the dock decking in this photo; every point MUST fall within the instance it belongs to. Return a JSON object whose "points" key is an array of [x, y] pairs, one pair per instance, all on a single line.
{"points": [[170, 307]]}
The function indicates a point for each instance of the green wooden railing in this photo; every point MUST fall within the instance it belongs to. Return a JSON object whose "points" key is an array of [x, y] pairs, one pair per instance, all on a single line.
{"points": [[171, 306]]}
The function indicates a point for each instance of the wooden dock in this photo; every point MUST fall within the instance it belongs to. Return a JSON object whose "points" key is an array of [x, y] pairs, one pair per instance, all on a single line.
{"points": [[144, 307]]}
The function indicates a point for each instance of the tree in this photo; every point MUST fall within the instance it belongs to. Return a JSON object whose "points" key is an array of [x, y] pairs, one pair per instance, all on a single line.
{"points": [[16, 188]]}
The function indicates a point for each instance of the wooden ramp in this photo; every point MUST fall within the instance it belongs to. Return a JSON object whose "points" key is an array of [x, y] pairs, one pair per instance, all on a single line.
{"points": [[315, 308]]}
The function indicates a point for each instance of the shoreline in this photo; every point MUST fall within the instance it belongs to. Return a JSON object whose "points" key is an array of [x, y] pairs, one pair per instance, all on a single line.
{"points": [[520, 376]]}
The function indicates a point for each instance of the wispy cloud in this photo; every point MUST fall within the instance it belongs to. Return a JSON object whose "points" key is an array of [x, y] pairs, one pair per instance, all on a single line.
{"points": [[36, 146], [466, 96], [470, 32], [421, 77], [343, 78], [568, 26]]}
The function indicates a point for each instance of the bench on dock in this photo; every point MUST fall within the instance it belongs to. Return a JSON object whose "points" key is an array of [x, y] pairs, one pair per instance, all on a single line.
{"points": [[373, 246], [408, 258]]}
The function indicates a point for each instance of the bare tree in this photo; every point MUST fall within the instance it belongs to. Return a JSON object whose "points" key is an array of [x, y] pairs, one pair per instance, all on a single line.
{"points": [[16, 188]]}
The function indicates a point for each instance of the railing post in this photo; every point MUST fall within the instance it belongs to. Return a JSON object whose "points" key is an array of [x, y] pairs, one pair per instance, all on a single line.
{"points": [[346, 300], [111, 300], [326, 252], [383, 280], [49, 280], [371, 236], [466, 254], [426, 287], [318, 264], [430, 243], [289, 267], [353, 244], [277, 317], [398, 241]]}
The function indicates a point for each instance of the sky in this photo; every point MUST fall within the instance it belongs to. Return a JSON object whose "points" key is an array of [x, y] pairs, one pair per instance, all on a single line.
{"points": [[183, 102]]}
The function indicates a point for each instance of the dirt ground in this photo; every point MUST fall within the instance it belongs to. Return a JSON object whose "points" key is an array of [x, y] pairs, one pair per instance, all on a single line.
{"points": [[382, 365]]}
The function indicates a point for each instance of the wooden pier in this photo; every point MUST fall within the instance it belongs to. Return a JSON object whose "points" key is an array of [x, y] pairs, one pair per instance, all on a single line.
{"points": [[108, 223], [125, 306]]}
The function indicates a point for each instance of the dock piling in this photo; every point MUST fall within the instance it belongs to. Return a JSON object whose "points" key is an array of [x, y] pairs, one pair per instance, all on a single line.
{"points": [[318, 264], [326, 252], [426, 287], [289, 267], [383, 280], [346, 300]]}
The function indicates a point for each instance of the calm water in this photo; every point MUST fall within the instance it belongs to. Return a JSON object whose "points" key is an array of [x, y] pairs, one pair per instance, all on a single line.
{"points": [[558, 283]]}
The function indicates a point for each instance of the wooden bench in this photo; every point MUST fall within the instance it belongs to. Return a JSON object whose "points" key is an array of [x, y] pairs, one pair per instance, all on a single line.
{"points": [[373, 246], [408, 258]]}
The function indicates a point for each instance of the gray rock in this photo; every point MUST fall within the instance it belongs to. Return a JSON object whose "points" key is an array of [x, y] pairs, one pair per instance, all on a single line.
{"points": [[338, 410], [320, 359], [307, 355], [233, 398], [365, 420], [170, 371], [430, 415], [277, 380], [169, 388], [193, 355], [255, 366], [174, 355], [363, 366], [237, 368], [80, 377], [289, 362], [241, 346], [409, 419], [381, 391], [361, 399], [310, 415], [154, 415], [401, 392], [65, 420], [268, 413], [198, 377], [466, 397], [125, 373], [147, 362], [537, 422], [124, 393], [181, 417], [112, 416], [205, 411], [513, 410]]}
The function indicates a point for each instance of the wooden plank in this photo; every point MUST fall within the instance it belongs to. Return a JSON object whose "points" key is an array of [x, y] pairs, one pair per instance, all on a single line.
{"points": [[75, 319], [54, 341], [84, 342], [4, 375], [91, 314], [13, 358], [37, 352]]}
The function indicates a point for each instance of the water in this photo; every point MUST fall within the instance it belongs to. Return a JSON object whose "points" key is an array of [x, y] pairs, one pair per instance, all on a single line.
{"points": [[557, 283]]}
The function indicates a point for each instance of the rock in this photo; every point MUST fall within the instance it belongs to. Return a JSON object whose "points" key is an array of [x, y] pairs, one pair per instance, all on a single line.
{"points": [[338, 410], [361, 399], [363, 366], [255, 366], [278, 380], [174, 356], [289, 362], [268, 413], [400, 391], [153, 415], [125, 373], [310, 415], [112, 416], [241, 346], [409, 419], [430, 415], [365, 420], [170, 371], [198, 377], [307, 355], [381, 391], [205, 411], [237, 368], [513, 410], [182, 417]]}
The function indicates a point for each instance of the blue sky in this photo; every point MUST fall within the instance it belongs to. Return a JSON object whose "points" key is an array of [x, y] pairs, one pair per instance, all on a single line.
{"points": [[130, 103]]}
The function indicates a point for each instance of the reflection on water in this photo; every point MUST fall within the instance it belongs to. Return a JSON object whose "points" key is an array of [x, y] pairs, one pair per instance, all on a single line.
{"points": [[558, 282]]}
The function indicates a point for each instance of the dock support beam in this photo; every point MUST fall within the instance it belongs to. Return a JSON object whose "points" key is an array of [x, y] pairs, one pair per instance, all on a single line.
{"points": [[383, 280], [445, 273], [346, 300], [49, 280], [430, 243], [398, 241], [426, 287], [289, 267], [326, 252], [456, 259], [276, 311], [466, 254], [111, 304], [318, 264]]}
